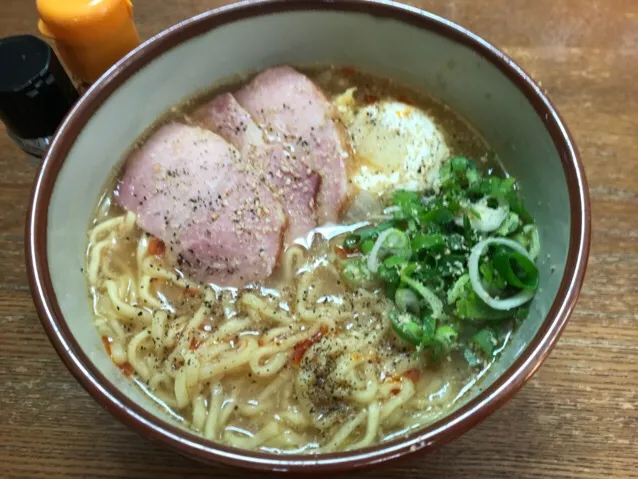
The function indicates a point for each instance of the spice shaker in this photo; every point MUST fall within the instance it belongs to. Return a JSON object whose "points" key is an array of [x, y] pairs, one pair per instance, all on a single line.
{"points": [[35, 92], [90, 35]]}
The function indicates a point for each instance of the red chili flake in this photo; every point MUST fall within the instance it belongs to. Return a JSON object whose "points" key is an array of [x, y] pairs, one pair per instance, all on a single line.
{"points": [[191, 292], [156, 247], [127, 369], [341, 252], [107, 344], [412, 374], [344, 253], [301, 347], [395, 391], [194, 344]]}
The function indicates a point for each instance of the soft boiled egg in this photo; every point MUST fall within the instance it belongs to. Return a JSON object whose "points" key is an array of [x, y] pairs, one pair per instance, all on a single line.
{"points": [[399, 146]]}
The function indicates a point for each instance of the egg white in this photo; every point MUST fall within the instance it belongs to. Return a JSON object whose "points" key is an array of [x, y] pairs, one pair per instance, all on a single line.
{"points": [[399, 145]]}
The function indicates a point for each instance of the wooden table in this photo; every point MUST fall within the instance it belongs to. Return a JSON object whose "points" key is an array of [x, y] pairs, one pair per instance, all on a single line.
{"points": [[578, 417]]}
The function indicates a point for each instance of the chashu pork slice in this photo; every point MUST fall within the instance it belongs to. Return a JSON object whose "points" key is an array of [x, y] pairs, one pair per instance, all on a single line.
{"points": [[292, 182], [191, 188], [293, 111]]}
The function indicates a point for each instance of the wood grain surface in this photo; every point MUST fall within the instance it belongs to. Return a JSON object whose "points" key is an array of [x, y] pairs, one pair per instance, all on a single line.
{"points": [[577, 417]]}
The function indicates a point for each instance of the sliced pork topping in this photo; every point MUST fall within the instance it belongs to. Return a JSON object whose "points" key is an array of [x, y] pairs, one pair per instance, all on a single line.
{"points": [[293, 111], [212, 209], [291, 181]]}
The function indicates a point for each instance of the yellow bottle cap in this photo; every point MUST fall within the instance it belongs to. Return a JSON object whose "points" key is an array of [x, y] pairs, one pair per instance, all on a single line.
{"points": [[90, 35], [79, 21]]}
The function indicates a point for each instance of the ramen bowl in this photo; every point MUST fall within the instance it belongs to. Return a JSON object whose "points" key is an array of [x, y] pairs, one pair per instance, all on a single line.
{"points": [[413, 47]]}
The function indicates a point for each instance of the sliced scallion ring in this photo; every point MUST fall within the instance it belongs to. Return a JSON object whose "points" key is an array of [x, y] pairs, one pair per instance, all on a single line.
{"points": [[436, 305], [406, 326], [517, 269], [394, 241], [407, 300], [506, 304]]}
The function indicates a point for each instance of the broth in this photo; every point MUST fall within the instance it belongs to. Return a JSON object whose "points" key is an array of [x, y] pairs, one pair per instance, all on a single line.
{"points": [[299, 363]]}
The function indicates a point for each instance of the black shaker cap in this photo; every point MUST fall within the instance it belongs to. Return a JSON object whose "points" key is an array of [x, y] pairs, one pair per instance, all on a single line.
{"points": [[35, 91]]}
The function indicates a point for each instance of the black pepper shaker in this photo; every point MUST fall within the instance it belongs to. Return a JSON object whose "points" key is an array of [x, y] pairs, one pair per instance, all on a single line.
{"points": [[35, 92]]}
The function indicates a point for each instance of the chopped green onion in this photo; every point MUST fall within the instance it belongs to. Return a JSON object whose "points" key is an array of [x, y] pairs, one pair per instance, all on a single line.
{"points": [[446, 335], [516, 205], [356, 274], [518, 270], [402, 198], [457, 290], [468, 232], [530, 240], [492, 277], [411, 268], [366, 246], [406, 326], [487, 218], [394, 261], [451, 265], [391, 241], [472, 176], [398, 243], [429, 330], [408, 202], [470, 307], [457, 169], [443, 342], [388, 275], [506, 304], [511, 224], [459, 164], [422, 242], [435, 304], [407, 300], [353, 240], [485, 341], [457, 244], [438, 215]]}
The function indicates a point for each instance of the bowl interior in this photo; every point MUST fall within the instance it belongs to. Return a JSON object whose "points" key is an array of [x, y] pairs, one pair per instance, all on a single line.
{"points": [[426, 60]]}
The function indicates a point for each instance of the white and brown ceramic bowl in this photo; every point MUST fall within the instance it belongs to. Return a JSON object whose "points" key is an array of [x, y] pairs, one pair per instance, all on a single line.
{"points": [[388, 39]]}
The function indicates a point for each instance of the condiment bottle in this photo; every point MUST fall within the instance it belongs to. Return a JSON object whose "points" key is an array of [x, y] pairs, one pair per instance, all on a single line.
{"points": [[90, 35], [35, 92]]}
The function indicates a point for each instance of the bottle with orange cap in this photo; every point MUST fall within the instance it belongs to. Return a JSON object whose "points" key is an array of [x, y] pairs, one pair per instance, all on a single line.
{"points": [[90, 35]]}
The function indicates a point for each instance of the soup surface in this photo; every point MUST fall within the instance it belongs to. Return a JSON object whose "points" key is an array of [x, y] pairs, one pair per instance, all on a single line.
{"points": [[318, 355]]}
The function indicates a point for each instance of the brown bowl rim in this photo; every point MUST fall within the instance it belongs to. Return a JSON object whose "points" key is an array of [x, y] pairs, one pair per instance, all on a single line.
{"points": [[185, 442]]}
